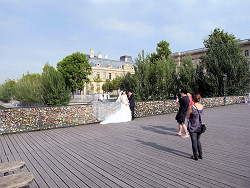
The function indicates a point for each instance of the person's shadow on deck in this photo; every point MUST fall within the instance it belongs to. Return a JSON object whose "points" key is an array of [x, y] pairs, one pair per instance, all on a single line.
{"points": [[164, 148], [160, 129]]}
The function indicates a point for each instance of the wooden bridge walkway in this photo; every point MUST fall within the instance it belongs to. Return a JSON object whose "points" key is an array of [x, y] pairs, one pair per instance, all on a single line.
{"points": [[141, 153]]}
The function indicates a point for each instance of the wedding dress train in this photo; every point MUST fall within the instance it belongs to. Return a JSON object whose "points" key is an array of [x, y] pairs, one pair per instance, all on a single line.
{"points": [[123, 114]]}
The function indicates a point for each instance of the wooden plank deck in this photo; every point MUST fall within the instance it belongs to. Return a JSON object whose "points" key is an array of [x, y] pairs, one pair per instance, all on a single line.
{"points": [[141, 153]]}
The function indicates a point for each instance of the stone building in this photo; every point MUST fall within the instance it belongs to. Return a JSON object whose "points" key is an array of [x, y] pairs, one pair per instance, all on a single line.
{"points": [[105, 68], [197, 53]]}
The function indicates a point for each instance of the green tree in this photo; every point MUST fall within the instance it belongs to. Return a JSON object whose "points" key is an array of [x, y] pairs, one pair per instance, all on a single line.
{"points": [[7, 90], [224, 57], [75, 69], [90, 88], [128, 82], [97, 80], [205, 87], [165, 74], [55, 91], [187, 77], [142, 75], [107, 86], [116, 82], [28, 89], [155, 74], [162, 51]]}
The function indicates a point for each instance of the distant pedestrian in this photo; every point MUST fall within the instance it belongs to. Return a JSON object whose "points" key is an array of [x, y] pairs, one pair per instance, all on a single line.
{"points": [[182, 112], [194, 116], [244, 100]]}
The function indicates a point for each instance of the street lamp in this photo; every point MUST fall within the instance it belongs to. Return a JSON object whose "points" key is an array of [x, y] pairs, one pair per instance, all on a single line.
{"points": [[224, 82]]}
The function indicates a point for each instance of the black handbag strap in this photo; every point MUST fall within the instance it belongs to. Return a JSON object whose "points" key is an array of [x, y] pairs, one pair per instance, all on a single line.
{"points": [[199, 114]]}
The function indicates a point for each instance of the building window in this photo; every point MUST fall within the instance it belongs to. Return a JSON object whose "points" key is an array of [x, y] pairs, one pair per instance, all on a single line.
{"points": [[98, 88], [115, 75], [110, 76], [246, 53], [104, 76]]}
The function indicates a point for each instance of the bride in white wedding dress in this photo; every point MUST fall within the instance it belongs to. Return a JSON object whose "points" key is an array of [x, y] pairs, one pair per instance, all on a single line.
{"points": [[123, 114]]}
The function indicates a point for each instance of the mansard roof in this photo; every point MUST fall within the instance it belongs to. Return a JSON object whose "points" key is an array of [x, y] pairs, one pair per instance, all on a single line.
{"points": [[204, 50], [106, 62]]}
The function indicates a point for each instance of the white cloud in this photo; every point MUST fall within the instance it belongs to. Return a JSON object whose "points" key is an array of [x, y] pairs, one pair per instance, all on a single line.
{"points": [[187, 2], [135, 28], [11, 21], [181, 37], [179, 31], [108, 2], [211, 25]]}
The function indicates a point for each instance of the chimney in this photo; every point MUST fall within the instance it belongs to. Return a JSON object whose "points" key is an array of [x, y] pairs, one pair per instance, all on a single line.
{"points": [[99, 55], [105, 56], [91, 53]]}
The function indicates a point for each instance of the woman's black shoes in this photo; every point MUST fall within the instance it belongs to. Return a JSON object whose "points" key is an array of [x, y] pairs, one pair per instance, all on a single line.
{"points": [[193, 157], [196, 158]]}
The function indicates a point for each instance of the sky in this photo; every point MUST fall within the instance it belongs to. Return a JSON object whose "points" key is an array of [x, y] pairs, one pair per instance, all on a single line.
{"points": [[36, 32]]}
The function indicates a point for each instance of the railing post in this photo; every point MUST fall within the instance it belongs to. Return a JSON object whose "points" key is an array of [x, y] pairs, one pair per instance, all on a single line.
{"points": [[224, 82], [40, 119]]}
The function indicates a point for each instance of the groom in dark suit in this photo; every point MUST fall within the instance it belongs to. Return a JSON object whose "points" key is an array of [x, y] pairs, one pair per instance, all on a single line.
{"points": [[131, 99]]}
